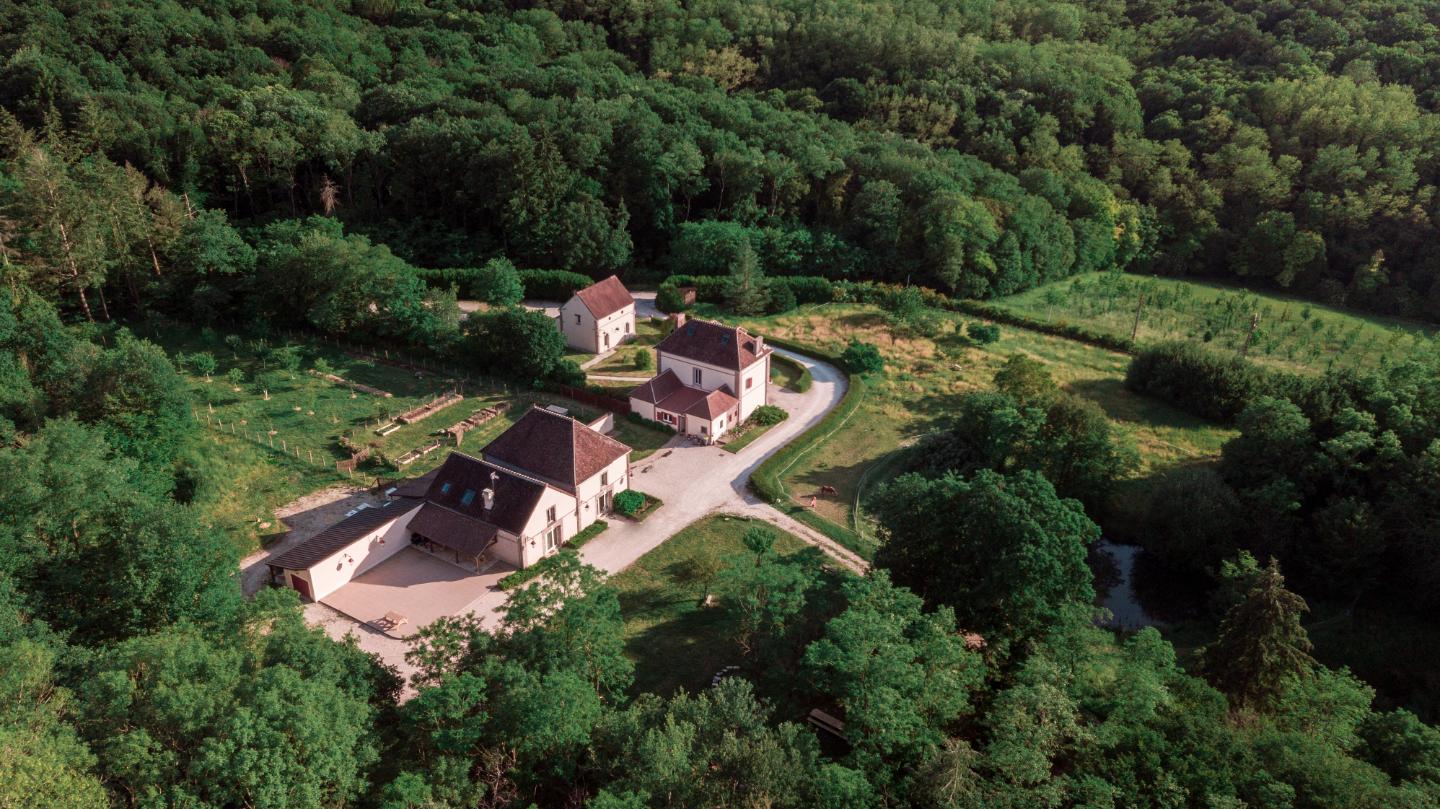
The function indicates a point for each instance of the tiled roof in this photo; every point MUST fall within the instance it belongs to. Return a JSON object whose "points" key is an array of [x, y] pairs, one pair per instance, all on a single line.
{"points": [[728, 347], [330, 541], [442, 526], [515, 496], [657, 388], [554, 448], [716, 403], [605, 297], [415, 487]]}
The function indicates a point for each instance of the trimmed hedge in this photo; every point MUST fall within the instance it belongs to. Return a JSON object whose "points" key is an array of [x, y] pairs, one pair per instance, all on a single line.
{"points": [[553, 285]]}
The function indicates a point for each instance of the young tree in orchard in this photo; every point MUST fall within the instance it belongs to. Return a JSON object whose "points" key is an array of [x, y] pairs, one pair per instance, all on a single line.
{"points": [[745, 289], [1262, 648], [1005, 551], [901, 674]]}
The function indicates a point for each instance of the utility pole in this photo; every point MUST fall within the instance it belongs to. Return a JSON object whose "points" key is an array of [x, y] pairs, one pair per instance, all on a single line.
{"points": [[1249, 336], [1135, 330]]}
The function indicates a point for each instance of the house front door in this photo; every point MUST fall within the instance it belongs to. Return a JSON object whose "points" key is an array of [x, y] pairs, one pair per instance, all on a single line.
{"points": [[302, 587], [682, 424]]}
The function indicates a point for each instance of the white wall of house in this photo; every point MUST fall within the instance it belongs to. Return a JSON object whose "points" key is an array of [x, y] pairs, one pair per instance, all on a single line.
{"points": [[711, 376], [611, 479], [614, 329], [754, 384], [532, 539], [578, 325], [339, 568], [583, 332], [644, 410]]}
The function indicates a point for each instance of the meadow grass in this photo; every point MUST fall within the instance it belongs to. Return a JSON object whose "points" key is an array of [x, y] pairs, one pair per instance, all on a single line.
{"points": [[924, 378], [674, 641], [1290, 333]]}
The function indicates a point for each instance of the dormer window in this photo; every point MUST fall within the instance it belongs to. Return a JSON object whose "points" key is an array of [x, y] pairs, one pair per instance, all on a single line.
{"points": [[445, 488], [468, 497]]}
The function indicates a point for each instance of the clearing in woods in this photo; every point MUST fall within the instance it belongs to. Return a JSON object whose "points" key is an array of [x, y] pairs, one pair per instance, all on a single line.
{"points": [[925, 375]]}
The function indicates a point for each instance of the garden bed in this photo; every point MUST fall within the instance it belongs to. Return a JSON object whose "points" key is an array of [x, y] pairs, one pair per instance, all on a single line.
{"points": [[647, 506]]}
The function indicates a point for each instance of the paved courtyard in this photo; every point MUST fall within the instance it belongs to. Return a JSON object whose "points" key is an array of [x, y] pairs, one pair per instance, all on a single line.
{"points": [[416, 585]]}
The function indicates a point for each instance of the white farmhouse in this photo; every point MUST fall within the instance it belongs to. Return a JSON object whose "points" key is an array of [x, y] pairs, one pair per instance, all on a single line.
{"points": [[710, 378], [599, 317], [532, 489]]}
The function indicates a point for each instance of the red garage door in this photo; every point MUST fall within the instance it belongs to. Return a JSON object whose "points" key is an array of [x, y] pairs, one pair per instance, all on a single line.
{"points": [[301, 586]]}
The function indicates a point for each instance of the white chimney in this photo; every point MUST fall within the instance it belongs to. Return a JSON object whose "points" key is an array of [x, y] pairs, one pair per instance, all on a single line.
{"points": [[679, 318], [488, 495], [759, 344]]}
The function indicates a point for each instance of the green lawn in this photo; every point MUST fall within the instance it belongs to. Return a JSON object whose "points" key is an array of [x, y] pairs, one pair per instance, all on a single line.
{"points": [[785, 372], [675, 642], [622, 362], [926, 375], [1292, 334]]}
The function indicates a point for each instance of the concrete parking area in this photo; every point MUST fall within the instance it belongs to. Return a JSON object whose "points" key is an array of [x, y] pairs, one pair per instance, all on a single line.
{"points": [[415, 585]]}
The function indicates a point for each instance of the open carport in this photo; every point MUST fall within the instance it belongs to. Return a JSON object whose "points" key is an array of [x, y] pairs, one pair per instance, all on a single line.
{"points": [[416, 586]]}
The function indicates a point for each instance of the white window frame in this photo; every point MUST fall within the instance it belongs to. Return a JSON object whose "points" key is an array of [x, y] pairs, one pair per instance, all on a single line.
{"points": [[697, 375]]}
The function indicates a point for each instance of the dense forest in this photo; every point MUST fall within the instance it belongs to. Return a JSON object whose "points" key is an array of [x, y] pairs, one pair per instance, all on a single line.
{"points": [[977, 147], [351, 168]]}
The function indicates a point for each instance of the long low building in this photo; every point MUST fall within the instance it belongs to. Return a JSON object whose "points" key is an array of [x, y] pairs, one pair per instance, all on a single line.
{"points": [[532, 489]]}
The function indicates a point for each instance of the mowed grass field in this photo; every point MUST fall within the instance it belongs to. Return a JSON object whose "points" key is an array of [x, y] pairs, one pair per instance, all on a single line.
{"points": [[273, 434], [1290, 333], [674, 641], [926, 375]]}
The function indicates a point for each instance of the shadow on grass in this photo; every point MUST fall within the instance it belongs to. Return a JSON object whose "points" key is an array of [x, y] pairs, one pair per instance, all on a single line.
{"points": [[684, 649]]}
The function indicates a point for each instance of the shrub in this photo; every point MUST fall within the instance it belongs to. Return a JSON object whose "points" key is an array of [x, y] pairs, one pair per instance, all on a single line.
{"points": [[862, 358], [642, 359], [809, 288], [782, 299], [498, 283], [983, 333], [669, 299], [553, 285], [628, 502], [766, 415]]}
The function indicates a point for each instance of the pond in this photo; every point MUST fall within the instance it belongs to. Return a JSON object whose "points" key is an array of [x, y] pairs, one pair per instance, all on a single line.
{"points": [[1122, 600], [1138, 592]]}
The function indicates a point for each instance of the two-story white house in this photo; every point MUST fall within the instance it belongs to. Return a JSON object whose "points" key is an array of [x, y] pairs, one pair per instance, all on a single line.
{"points": [[710, 377], [599, 317], [532, 489]]}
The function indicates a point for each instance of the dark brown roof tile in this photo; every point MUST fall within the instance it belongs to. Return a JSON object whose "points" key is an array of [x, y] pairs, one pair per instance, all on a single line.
{"points": [[605, 297]]}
